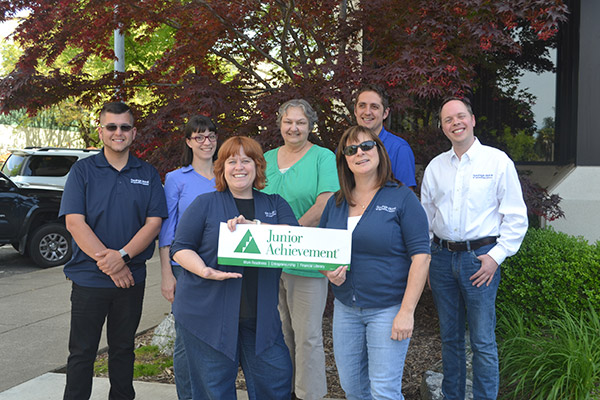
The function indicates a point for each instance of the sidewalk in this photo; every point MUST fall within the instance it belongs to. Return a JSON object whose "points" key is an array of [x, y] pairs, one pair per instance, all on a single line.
{"points": [[34, 332]]}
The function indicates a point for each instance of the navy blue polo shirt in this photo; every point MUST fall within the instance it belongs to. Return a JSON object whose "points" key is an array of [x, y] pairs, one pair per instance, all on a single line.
{"points": [[392, 229], [116, 205]]}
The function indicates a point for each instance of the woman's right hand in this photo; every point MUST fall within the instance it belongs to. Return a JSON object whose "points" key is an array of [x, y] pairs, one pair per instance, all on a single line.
{"points": [[216, 275], [337, 276], [167, 286], [191, 261]]}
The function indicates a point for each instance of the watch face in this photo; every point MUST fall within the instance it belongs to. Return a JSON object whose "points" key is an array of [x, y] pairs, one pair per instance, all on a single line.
{"points": [[124, 256]]}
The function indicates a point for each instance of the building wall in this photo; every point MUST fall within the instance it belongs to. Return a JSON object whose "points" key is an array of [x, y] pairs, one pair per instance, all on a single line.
{"points": [[580, 192], [16, 137]]}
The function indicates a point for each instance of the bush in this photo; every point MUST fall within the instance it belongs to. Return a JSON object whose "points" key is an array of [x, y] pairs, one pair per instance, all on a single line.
{"points": [[550, 269], [560, 361]]}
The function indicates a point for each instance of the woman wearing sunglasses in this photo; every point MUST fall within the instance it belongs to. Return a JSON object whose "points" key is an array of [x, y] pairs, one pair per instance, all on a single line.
{"points": [[376, 296], [182, 186]]}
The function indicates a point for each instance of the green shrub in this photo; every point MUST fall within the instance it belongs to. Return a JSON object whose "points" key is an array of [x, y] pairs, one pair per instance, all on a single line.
{"points": [[560, 361], [550, 269]]}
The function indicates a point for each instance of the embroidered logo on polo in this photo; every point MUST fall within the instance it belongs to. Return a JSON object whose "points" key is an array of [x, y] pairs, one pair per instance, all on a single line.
{"points": [[139, 182], [483, 176], [247, 245], [386, 209], [270, 214]]}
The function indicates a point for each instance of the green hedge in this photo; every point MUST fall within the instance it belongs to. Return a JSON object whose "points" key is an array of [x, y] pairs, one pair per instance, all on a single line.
{"points": [[550, 269]]}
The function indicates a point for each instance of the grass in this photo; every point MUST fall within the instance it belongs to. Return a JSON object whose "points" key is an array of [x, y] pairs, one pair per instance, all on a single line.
{"points": [[148, 362], [557, 360]]}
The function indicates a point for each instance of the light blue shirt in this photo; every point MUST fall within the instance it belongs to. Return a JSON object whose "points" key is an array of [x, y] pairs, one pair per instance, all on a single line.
{"points": [[182, 186]]}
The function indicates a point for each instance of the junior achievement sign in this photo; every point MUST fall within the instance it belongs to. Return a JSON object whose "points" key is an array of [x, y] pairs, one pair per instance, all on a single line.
{"points": [[278, 246]]}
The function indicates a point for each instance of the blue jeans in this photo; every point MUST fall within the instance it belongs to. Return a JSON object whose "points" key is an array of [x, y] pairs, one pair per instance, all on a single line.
{"points": [[370, 364], [181, 369], [268, 375], [459, 302], [90, 307]]}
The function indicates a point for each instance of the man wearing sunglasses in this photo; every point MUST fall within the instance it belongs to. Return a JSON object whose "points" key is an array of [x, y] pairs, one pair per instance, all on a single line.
{"points": [[113, 205], [477, 217], [371, 108]]}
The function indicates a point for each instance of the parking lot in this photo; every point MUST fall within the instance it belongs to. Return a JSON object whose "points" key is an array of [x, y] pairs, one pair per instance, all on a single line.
{"points": [[12, 263]]}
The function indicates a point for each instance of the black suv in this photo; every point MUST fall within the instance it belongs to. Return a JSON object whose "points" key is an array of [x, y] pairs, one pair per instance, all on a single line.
{"points": [[29, 222]]}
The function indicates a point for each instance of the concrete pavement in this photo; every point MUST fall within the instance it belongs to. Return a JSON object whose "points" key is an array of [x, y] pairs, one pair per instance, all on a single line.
{"points": [[34, 332]]}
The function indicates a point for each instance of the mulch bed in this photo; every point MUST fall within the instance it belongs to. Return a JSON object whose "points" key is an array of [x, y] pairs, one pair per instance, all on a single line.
{"points": [[424, 351]]}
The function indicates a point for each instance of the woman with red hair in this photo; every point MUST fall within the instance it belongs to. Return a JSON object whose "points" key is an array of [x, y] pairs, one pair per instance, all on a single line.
{"points": [[226, 314]]}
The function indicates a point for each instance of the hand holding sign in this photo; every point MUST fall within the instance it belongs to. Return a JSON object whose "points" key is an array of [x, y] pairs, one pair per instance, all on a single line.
{"points": [[338, 276]]}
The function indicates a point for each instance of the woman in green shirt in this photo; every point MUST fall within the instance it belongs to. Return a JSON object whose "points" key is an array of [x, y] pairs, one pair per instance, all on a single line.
{"points": [[305, 175]]}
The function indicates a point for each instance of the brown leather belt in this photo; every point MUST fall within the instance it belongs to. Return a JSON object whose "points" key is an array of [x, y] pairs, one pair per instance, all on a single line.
{"points": [[466, 245]]}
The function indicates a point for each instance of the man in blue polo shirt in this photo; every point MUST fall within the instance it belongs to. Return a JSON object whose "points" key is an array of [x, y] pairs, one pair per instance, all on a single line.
{"points": [[113, 205], [371, 108]]}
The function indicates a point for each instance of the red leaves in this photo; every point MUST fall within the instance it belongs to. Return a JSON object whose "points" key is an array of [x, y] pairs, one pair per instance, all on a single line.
{"points": [[485, 43], [237, 61]]}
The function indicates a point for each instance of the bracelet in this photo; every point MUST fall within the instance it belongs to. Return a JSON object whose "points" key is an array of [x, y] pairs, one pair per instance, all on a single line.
{"points": [[257, 221]]}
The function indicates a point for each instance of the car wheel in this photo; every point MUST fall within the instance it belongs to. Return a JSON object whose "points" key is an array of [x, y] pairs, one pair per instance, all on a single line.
{"points": [[50, 245]]}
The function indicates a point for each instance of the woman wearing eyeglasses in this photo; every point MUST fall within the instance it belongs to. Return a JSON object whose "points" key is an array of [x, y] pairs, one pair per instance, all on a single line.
{"points": [[375, 298], [304, 174], [182, 186]]}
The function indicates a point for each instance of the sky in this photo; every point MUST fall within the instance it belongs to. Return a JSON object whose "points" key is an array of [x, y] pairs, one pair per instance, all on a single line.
{"points": [[543, 86]]}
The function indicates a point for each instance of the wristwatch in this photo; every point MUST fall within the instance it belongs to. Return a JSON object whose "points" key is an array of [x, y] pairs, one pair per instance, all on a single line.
{"points": [[124, 256]]}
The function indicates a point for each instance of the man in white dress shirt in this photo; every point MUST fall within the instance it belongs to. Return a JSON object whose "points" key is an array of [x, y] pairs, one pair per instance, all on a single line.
{"points": [[477, 218]]}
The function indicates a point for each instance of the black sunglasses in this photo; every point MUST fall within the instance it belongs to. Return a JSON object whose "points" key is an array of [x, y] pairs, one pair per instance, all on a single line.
{"points": [[364, 146], [113, 127]]}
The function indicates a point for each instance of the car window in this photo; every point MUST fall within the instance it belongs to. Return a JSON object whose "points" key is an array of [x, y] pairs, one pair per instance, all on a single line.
{"points": [[49, 165], [12, 166]]}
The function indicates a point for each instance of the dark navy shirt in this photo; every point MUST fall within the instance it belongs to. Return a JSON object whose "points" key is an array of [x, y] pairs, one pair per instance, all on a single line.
{"points": [[115, 205], [210, 309], [392, 229]]}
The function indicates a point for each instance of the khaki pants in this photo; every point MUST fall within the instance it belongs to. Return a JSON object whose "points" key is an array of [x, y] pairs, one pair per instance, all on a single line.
{"points": [[301, 306]]}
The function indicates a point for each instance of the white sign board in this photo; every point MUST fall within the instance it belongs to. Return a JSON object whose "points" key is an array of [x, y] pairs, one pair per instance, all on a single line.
{"points": [[280, 246]]}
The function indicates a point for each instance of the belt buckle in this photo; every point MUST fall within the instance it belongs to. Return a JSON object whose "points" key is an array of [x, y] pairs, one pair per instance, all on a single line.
{"points": [[448, 245]]}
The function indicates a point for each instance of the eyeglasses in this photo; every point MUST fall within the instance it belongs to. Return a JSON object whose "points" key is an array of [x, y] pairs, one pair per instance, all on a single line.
{"points": [[364, 146], [201, 138], [113, 127]]}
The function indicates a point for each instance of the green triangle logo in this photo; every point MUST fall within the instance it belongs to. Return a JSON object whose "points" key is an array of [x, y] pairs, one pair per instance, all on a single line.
{"points": [[247, 244]]}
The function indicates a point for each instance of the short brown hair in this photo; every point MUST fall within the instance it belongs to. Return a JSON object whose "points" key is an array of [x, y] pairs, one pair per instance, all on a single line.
{"points": [[368, 87], [231, 147], [346, 177], [448, 99]]}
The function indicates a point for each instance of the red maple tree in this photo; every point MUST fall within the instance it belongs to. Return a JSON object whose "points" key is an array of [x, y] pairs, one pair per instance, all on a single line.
{"points": [[238, 61]]}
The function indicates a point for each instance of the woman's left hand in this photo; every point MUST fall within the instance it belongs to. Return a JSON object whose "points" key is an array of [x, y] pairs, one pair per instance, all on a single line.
{"points": [[240, 219], [402, 327], [337, 277]]}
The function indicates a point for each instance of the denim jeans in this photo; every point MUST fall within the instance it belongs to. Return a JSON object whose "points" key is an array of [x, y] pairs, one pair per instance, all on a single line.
{"points": [[181, 369], [370, 364], [90, 307], [459, 302], [268, 375]]}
